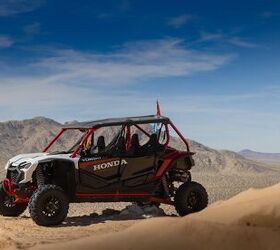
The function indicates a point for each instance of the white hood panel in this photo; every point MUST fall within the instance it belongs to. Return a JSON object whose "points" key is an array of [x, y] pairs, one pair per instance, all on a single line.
{"points": [[35, 159]]}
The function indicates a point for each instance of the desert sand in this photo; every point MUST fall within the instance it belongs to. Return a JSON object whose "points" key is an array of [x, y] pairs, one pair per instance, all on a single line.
{"points": [[250, 220]]}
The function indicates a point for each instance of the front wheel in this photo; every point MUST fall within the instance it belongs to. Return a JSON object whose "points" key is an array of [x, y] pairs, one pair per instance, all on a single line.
{"points": [[8, 207], [190, 197], [48, 205]]}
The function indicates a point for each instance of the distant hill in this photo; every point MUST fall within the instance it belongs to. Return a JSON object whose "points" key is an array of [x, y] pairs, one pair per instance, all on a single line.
{"points": [[32, 135], [221, 161], [259, 156]]}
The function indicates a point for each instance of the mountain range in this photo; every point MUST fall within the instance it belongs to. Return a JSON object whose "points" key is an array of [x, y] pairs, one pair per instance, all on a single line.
{"points": [[31, 135], [259, 156]]}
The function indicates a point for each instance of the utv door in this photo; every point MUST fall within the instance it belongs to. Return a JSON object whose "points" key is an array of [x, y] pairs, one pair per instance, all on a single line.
{"points": [[98, 175], [136, 174]]}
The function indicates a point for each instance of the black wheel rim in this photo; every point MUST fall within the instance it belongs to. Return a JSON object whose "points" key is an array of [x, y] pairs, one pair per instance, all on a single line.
{"points": [[51, 207], [193, 200]]}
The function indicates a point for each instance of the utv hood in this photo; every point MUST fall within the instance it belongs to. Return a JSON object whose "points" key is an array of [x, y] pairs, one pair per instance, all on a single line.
{"points": [[17, 160], [33, 160]]}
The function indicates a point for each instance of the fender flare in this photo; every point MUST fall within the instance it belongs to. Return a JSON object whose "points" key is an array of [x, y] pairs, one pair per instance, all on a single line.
{"points": [[167, 163]]}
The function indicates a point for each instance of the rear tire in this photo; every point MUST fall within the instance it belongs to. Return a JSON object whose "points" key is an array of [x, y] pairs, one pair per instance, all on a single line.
{"points": [[48, 205], [7, 208], [190, 197]]}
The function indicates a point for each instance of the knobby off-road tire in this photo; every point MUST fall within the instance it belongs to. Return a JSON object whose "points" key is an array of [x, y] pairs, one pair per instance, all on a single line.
{"points": [[190, 197], [7, 208], [48, 205]]}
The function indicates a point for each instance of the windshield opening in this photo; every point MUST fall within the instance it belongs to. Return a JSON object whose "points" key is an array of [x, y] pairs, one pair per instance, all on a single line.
{"points": [[67, 142], [107, 135]]}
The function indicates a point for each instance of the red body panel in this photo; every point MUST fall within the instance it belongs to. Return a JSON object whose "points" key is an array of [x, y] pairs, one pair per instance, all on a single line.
{"points": [[167, 160]]}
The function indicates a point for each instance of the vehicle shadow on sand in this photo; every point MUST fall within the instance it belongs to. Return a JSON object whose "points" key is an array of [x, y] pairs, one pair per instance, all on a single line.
{"points": [[87, 220], [129, 213], [108, 215]]}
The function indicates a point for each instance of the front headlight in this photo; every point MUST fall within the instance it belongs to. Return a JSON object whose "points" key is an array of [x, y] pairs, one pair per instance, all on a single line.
{"points": [[25, 165]]}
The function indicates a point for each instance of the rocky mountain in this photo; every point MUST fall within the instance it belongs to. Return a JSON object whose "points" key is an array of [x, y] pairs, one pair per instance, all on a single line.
{"points": [[258, 156], [221, 161], [25, 136], [32, 135]]}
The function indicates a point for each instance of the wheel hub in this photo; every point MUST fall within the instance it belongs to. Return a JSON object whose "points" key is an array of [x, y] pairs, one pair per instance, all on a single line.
{"points": [[192, 200], [52, 207]]}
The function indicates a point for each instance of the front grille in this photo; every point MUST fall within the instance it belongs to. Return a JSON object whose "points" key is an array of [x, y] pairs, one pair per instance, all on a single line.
{"points": [[15, 174]]}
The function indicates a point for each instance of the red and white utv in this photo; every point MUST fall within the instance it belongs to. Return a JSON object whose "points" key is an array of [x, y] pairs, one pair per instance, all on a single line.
{"points": [[124, 159]]}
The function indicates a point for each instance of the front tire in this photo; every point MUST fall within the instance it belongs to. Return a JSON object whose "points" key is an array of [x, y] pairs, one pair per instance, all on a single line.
{"points": [[48, 205], [7, 206], [190, 197]]}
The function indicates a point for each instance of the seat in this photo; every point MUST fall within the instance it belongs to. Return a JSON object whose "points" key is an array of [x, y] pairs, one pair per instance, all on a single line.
{"points": [[100, 144], [120, 146], [152, 146], [134, 149]]}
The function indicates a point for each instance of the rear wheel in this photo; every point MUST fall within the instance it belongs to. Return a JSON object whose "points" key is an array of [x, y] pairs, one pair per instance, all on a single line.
{"points": [[48, 205], [8, 207], [190, 197]]}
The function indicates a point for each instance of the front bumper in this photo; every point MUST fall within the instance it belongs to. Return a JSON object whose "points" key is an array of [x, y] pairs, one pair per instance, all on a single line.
{"points": [[7, 188], [15, 174]]}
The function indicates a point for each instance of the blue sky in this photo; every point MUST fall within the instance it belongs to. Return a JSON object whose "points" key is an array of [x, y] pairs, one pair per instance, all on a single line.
{"points": [[214, 65]]}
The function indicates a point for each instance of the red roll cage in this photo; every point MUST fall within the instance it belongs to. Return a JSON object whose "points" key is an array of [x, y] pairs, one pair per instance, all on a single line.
{"points": [[90, 131]]}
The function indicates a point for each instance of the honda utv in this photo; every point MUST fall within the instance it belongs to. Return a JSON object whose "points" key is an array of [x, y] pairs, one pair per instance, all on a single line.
{"points": [[126, 159]]}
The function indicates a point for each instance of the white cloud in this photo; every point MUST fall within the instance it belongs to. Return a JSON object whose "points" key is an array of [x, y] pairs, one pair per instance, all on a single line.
{"points": [[29, 98], [222, 121], [69, 78], [71, 85], [131, 63], [179, 21], [227, 39], [13, 7], [239, 42], [5, 41], [206, 36]]}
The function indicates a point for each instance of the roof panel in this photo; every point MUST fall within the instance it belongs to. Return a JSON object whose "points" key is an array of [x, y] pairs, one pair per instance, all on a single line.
{"points": [[119, 121]]}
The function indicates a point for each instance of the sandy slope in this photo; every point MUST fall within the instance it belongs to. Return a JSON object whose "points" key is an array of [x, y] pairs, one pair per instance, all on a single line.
{"points": [[22, 233], [83, 222], [250, 220]]}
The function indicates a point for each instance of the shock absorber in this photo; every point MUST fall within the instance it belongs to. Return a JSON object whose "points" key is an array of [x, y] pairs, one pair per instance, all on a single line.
{"points": [[165, 186], [40, 176]]}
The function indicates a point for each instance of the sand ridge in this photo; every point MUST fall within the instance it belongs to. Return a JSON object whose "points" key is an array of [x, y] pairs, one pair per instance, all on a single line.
{"points": [[251, 220]]}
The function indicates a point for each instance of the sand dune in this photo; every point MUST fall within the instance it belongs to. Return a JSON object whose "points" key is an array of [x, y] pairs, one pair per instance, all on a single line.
{"points": [[251, 220]]}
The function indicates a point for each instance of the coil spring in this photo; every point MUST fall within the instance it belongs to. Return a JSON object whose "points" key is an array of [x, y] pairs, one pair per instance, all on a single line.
{"points": [[40, 176]]}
